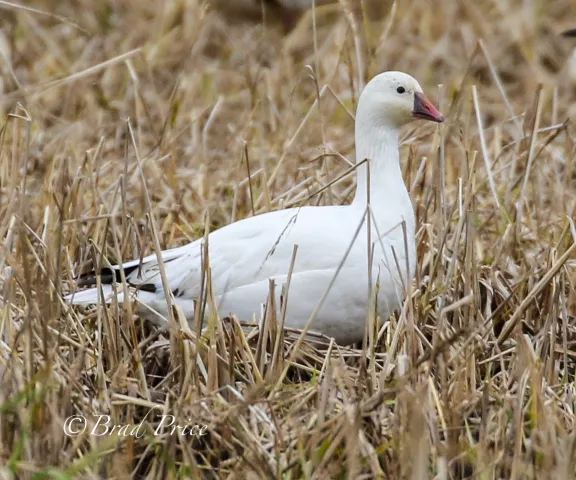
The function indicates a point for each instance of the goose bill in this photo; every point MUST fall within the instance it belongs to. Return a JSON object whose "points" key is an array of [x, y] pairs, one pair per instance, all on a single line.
{"points": [[424, 109]]}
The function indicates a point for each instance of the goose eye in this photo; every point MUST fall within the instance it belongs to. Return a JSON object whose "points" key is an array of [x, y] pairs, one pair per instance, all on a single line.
{"points": [[401, 90]]}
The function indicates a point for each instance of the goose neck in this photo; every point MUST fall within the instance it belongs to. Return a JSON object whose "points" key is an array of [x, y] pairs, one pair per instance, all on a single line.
{"points": [[378, 174]]}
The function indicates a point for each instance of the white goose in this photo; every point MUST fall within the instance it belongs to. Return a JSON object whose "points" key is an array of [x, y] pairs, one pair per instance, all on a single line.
{"points": [[244, 255]]}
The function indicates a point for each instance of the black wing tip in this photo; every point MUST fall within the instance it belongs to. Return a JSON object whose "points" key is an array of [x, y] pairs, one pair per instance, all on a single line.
{"points": [[146, 287], [86, 282], [108, 277]]}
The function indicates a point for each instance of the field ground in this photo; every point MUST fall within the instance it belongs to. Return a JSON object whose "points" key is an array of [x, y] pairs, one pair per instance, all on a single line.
{"points": [[128, 123]]}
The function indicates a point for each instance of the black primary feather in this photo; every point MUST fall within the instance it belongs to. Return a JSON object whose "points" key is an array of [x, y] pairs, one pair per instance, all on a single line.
{"points": [[108, 276]]}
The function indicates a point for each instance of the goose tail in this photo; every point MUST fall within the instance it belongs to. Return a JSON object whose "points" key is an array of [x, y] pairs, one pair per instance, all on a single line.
{"points": [[91, 296]]}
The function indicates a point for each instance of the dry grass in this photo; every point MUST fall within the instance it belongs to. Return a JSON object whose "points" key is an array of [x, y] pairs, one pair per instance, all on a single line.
{"points": [[473, 379]]}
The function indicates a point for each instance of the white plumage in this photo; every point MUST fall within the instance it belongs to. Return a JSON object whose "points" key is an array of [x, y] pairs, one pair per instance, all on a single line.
{"points": [[245, 255]]}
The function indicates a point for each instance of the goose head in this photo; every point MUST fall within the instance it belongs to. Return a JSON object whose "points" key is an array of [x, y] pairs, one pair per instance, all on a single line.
{"points": [[393, 99]]}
